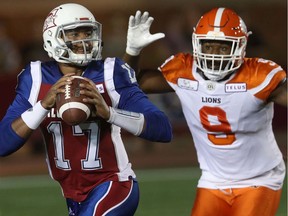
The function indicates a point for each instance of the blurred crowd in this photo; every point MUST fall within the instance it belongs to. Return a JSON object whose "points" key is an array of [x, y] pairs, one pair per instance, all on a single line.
{"points": [[10, 55]]}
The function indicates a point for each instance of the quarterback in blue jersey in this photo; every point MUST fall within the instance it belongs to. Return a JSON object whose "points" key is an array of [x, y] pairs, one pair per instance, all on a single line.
{"points": [[88, 160]]}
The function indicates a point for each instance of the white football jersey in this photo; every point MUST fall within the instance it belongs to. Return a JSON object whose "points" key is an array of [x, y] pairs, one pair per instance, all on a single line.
{"points": [[230, 121]]}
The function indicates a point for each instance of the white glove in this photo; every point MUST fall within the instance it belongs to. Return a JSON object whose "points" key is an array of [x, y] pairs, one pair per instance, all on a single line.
{"points": [[138, 35]]}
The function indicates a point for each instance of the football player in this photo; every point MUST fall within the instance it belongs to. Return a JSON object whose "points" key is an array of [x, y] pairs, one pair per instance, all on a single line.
{"points": [[88, 160], [227, 100]]}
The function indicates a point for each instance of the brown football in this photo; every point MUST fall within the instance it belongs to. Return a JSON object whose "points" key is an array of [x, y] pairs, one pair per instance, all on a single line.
{"points": [[70, 106]]}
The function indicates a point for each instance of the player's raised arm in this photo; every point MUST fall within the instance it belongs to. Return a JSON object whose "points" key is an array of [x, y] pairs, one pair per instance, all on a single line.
{"points": [[138, 37]]}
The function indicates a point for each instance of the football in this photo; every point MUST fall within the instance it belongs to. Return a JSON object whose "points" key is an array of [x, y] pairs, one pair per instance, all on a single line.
{"points": [[70, 106]]}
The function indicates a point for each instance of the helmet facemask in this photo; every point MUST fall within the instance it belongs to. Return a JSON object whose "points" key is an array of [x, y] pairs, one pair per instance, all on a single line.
{"points": [[90, 46], [217, 66]]}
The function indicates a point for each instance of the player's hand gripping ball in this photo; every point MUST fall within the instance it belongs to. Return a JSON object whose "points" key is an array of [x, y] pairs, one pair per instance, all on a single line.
{"points": [[70, 105]]}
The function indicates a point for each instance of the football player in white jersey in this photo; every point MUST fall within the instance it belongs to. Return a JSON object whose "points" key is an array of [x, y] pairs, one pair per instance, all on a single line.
{"points": [[227, 100]]}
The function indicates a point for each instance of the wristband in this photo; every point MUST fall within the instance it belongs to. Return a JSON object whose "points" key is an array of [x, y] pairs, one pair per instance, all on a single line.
{"points": [[34, 116], [132, 51], [130, 121]]}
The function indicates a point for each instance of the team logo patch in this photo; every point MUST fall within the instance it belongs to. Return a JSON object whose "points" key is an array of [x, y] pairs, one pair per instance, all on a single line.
{"points": [[50, 20], [187, 84], [210, 86], [100, 88], [235, 87]]}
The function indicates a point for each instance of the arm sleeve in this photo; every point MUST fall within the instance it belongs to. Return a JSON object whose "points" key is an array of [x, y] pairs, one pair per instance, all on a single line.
{"points": [[157, 125]]}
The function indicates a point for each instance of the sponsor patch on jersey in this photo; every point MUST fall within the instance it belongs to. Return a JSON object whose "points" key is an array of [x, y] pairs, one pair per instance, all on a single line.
{"points": [[235, 87], [187, 84], [210, 86], [100, 88]]}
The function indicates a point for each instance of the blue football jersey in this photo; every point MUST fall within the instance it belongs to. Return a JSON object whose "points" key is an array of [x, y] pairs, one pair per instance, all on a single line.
{"points": [[83, 156]]}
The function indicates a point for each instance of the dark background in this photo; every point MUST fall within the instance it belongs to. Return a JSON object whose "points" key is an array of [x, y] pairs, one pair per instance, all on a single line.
{"points": [[21, 25]]}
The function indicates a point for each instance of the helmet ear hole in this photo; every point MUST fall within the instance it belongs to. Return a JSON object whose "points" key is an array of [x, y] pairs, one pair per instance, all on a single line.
{"points": [[49, 43]]}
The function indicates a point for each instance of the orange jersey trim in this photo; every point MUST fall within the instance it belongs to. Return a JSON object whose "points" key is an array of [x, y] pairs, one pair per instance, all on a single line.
{"points": [[254, 72], [178, 66]]}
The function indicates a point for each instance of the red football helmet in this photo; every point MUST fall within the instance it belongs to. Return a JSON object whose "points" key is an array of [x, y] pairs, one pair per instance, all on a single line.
{"points": [[220, 24]]}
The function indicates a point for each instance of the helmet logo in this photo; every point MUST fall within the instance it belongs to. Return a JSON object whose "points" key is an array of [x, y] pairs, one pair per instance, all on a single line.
{"points": [[50, 20]]}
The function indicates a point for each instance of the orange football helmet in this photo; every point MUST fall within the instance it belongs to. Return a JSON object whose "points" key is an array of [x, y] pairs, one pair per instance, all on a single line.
{"points": [[220, 24]]}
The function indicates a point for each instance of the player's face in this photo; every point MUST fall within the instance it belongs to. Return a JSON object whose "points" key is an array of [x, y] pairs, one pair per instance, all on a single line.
{"points": [[79, 34], [216, 48]]}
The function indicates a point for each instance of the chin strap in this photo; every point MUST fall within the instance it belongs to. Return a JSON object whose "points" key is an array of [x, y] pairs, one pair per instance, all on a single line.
{"points": [[130, 121]]}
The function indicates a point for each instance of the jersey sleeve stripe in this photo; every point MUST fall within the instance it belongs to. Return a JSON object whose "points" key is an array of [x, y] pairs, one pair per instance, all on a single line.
{"points": [[270, 83], [109, 65], [122, 158], [36, 82]]}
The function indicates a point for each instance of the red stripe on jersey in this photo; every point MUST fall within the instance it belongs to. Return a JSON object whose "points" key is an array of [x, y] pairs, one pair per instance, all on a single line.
{"points": [[117, 193]]}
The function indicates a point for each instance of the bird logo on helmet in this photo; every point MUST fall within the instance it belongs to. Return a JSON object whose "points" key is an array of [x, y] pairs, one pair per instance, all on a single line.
{"points": [[50, 20], [69, 17]]}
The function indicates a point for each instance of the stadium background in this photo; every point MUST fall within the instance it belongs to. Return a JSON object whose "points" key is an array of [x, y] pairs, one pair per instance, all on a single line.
{"points": [[23, 20]]}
